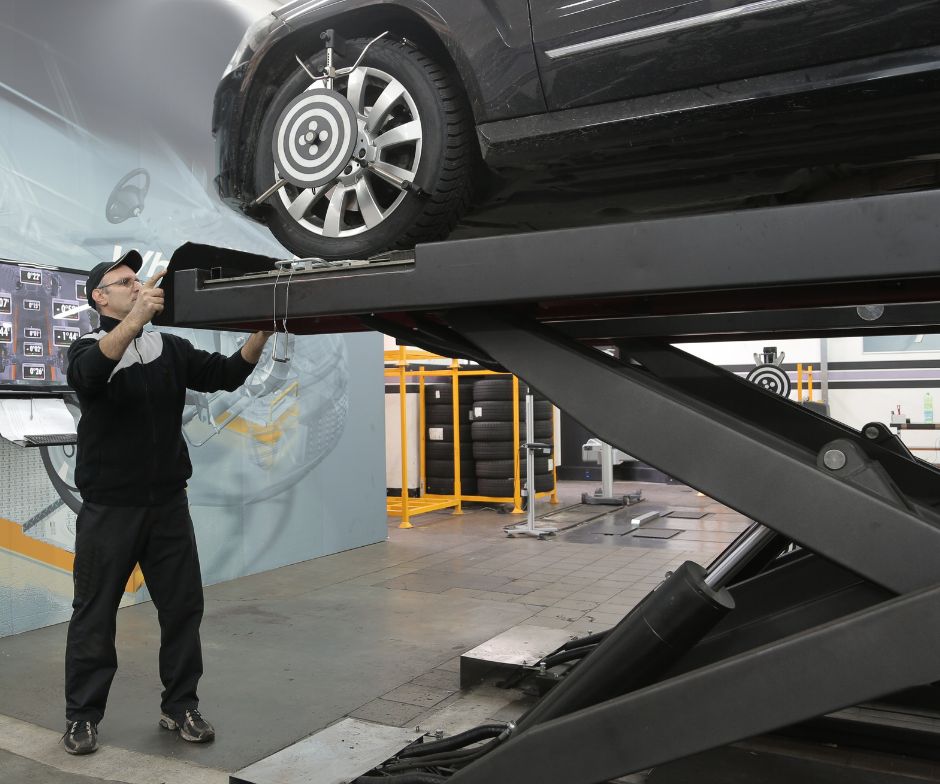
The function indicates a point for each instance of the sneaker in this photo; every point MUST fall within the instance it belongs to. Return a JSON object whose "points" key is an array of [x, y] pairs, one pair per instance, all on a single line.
{"points": [[81, 737], [192, 727]]}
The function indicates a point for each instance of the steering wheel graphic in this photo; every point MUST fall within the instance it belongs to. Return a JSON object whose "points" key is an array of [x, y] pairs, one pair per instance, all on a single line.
{"points": [[127, 200]]}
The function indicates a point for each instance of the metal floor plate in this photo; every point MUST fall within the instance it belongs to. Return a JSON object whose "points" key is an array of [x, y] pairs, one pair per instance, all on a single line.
{"points": [[336, 755], [586, 536], [510, 650], [608, 527], [656, 533], [573, 515]]}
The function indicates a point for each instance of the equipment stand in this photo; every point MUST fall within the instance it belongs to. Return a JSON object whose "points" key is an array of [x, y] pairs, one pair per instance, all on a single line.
{"points": [[605, 494], [529, 528]]}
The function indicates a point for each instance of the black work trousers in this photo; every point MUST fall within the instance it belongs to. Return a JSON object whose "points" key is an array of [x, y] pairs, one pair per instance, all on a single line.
{"points": [[109, 540]]}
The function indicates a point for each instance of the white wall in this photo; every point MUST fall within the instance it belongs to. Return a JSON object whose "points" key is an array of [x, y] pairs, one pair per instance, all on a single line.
{"points": [[742, 352], [849, 364]]}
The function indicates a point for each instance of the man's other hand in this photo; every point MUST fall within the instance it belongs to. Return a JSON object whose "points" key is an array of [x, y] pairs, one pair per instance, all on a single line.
{"points": [[251, 351]]}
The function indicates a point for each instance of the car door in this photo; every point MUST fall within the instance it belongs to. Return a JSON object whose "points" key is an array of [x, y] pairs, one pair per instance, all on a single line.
{"points": [[593, 51]]}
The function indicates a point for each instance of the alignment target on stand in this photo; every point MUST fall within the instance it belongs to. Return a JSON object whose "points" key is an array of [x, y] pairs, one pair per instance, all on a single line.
{"points": [[314, 138], [772, 378]]}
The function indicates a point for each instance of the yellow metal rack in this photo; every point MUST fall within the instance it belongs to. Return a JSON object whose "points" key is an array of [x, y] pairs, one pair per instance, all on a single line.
{"points": [[405, 506]]}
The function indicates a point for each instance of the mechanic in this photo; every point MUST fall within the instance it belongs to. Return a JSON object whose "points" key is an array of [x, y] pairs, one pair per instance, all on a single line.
{"points": [[131, 468]]}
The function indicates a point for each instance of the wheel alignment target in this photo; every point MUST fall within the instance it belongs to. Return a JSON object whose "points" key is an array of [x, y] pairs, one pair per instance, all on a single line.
{"points": [[772, 378], [314, 138]]}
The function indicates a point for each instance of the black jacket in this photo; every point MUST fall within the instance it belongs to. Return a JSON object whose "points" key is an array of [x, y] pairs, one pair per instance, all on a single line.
{"points": [[131, 450]]}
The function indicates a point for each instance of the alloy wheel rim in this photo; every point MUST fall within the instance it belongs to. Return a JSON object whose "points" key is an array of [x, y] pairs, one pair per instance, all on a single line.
{"points": [[387, 151]]}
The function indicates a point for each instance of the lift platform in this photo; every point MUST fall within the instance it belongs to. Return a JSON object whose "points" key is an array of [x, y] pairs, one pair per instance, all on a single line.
{"points": [[849, 617]]}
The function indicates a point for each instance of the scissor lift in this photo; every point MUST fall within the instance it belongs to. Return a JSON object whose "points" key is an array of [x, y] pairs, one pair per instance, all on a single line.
{"points": [[852, 615]]}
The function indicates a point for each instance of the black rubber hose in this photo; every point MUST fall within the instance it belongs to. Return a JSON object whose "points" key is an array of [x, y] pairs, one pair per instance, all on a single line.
{"points": [[407, 778], [446, 759], [580, 642], [573, 653], [458, 741]]}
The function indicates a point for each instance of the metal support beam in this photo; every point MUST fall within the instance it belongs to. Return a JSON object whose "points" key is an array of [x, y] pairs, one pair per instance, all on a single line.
{"points": [[802, 592], [777, 415], [877, 250], [759, 473], [755, 325], [774, 686]]}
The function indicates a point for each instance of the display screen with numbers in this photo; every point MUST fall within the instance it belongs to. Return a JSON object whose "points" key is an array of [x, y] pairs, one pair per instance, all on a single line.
{"points": [[42, 312]]}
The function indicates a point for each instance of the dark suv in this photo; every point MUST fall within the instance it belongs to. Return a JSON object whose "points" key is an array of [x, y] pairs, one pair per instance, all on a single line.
{"points": [[525, 114]]}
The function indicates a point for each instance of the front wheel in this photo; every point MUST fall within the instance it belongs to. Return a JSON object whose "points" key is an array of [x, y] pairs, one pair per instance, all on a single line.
{"points": [[404, 178]]}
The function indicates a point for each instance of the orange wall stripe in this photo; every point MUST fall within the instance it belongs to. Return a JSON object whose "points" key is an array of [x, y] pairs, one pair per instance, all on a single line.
{"points": [[14, 540]]}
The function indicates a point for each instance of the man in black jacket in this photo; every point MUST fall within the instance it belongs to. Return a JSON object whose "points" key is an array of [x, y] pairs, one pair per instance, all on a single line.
{"points": [[131, 468]]}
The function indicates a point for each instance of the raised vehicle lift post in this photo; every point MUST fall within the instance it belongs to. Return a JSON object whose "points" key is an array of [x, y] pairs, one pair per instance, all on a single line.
{"points": [[850, 616]]}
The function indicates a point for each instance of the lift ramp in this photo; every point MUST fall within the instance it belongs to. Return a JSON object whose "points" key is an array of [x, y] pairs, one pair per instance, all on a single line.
{"points": [[850, 617]]}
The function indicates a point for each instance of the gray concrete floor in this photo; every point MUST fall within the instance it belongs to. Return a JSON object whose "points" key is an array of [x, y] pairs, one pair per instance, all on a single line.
{"points": [[374, 633]]}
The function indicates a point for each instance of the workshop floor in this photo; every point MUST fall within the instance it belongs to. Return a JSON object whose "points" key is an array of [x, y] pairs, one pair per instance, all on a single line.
{"points": [[374, 633]]}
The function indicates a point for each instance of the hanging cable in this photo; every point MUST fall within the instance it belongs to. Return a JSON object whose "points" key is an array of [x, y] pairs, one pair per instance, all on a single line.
{"points": [[277, 333]]}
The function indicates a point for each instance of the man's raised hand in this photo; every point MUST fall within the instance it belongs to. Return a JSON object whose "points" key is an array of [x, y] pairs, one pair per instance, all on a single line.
{"points": [[149, 301]]}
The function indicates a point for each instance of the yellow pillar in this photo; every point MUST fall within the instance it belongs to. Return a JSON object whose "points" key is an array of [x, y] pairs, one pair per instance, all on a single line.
{"points": [[403, 408], [516, 489], [554, 461], [422, 447], [455, 398]]}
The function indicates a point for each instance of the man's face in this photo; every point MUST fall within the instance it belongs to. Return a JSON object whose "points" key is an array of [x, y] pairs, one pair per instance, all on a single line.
{"points": [[117, 292]]}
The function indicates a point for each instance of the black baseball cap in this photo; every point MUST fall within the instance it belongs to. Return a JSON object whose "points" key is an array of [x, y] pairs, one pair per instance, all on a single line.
{"points": [[131, 258]]}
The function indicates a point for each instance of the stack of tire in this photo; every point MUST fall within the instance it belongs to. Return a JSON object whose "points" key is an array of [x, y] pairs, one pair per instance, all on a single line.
{"points": [[439, 439], [492, 433]]}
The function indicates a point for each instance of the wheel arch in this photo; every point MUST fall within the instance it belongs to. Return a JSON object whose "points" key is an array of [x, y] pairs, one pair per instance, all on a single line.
{"points": [[304, 41]]}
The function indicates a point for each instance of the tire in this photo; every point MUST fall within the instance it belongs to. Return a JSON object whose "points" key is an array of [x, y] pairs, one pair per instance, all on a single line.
{"points": [[446, 486], [502, 431], [501, 469], [501, 410], [435, 394], [492, 450], [445, 468], [499, 389], [440, 162], [504, 487], [444, 450], [495, 450], [443, 414], [447, 433]]}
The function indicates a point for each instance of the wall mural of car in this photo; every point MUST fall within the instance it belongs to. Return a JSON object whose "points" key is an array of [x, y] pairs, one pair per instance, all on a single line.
{"points": [[511, 115]]}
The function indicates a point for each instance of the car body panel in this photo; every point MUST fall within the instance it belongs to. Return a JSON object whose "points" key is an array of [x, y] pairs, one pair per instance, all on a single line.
{"points": [[880, 107], [596, 51], [489, 41]]}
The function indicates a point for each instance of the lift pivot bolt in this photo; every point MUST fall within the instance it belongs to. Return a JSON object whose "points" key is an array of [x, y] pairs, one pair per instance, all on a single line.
{"points": [[834, 459]]}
